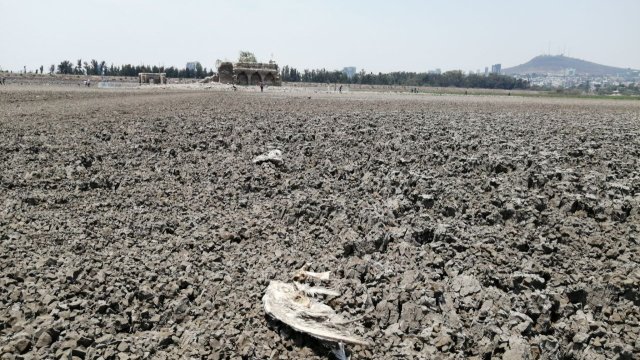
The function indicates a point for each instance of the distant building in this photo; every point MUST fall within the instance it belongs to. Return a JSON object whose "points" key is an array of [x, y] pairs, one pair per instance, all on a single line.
{"points": [[486, 71], [570, 72], [191, 66], [349, 71], [249, 73], [152, 78], [496, 68]]}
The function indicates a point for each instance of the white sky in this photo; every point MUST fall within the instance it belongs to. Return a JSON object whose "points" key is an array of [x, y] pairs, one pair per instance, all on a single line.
{"points": [[411, 35]]}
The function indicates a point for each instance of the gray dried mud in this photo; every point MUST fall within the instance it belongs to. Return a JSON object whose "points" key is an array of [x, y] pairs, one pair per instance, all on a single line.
{"points": [[136, 224]]}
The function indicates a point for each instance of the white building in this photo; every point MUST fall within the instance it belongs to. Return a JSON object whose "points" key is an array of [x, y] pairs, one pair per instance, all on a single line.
{"points": [[191, 66], [349, 71]]}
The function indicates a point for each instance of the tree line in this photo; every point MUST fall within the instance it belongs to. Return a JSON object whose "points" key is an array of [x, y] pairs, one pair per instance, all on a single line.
{"points": [[454, 78], [95, 67]]}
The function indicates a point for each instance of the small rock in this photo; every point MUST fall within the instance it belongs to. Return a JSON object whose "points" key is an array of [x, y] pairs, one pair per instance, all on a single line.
{"points": [[518, 349], [44, 340], [596, 342], [580, 338], [443, 341], [466, 285], [123, 347], [615, 318], [22, 345]]}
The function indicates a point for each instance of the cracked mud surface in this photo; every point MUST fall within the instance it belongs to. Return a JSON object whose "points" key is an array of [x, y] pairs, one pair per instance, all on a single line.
{"points": [[137, 225]]}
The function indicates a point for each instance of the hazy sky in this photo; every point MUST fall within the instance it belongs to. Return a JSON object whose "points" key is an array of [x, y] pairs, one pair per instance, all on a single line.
{"points": [[375, 35]]}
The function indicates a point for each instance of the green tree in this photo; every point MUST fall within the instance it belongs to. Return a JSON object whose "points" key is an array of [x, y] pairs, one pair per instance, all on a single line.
{"points": [[246, 56], [199, 71], [95, 67], [65, 67]]}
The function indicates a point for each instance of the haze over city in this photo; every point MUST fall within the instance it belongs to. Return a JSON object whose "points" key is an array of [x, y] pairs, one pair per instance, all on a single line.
{"points": [[377, 36]]}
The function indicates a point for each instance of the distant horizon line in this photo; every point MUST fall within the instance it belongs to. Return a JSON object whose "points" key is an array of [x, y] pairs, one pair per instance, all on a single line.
{"points": [[443, 69]]}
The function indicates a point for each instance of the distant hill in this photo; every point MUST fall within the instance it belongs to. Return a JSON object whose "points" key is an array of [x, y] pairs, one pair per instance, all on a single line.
{"points": [[559, 63]]}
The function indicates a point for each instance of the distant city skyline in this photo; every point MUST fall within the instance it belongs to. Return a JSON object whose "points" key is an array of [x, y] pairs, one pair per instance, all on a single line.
{"points": [[375, 36]]}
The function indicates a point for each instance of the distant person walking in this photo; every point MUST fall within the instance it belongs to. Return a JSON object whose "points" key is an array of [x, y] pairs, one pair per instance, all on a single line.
{"points": [[340, 90], [261, 86]]}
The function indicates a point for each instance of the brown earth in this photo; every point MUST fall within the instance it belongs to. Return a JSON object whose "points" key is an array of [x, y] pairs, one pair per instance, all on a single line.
{"points": [[134, 224]]}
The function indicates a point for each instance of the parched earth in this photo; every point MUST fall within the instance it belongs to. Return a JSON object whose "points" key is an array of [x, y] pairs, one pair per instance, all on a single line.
{"points": [[135, 224]]}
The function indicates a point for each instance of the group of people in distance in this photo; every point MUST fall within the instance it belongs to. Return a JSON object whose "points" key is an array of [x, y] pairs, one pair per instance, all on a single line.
{"points": [[261, 84]]}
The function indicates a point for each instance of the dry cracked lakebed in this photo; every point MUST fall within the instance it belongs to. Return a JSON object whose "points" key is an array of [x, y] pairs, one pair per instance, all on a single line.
{"points": [[144, 224]]}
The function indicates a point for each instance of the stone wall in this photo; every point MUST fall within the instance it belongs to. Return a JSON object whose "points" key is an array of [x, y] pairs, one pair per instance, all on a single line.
{"points": [[225, 73]]}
